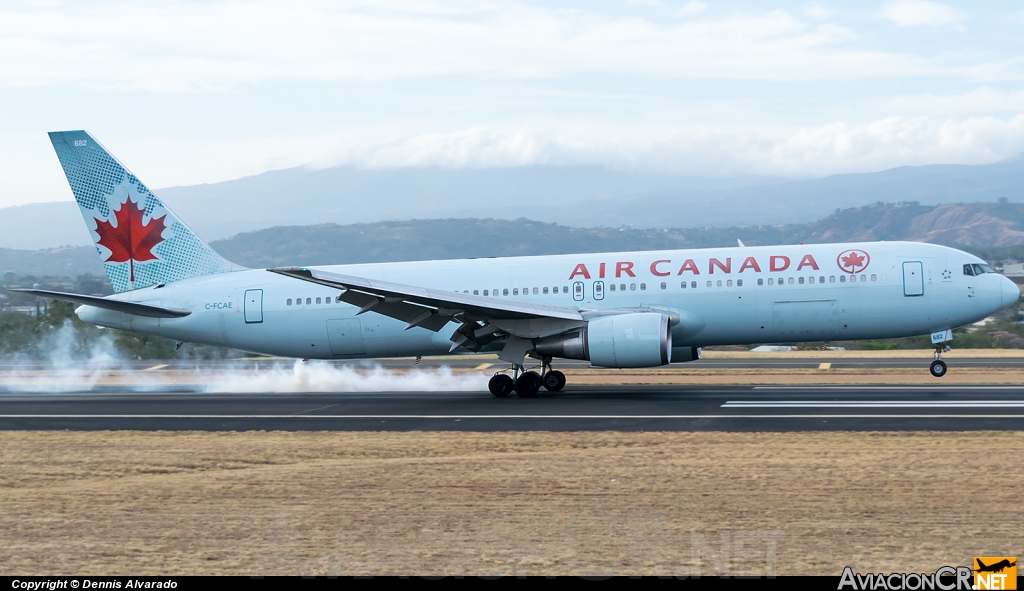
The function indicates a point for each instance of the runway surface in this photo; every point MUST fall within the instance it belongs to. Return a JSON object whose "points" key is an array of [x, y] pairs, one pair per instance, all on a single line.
{"points": [[626, 408], [472, 362]]}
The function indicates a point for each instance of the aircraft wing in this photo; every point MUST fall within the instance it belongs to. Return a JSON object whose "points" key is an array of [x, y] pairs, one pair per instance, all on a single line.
{"points": [[432, 309], [110, 304]]}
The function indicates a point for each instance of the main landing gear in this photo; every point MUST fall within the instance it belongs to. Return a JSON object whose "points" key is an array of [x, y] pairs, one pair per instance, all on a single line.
{"points": [[526, 384], [938, 367]]}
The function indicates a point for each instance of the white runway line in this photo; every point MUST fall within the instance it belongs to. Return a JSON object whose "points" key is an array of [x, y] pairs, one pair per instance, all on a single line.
{"points": [[874, 404], [956, 387], [558, 417]]}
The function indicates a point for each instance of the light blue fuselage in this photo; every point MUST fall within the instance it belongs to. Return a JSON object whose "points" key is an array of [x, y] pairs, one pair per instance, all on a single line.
{"points": [[264, 312]]}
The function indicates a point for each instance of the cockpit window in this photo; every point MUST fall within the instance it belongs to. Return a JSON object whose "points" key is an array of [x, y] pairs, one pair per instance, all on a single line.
{"points": [[976, 269]]}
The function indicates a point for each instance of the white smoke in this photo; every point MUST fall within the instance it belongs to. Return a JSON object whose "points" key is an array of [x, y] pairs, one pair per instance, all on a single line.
{"points": [[69, 365], [72, 361], [321, 376]]}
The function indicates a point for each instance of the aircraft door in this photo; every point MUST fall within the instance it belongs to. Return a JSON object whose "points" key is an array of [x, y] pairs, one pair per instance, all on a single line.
{"points": [[253, 306], [346, 336], [577, 291], [599, 290], [913, 278]]}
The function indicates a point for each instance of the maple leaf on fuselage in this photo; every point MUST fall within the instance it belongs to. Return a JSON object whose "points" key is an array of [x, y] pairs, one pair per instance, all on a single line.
{"points": [[853, 260], [130, 240]]}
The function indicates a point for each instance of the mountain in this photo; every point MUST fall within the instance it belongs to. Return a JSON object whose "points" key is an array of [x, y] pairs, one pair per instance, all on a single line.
{"points": [[989, 229], [570, 196]]}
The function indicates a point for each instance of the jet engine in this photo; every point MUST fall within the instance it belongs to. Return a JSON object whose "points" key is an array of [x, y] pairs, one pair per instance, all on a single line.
{"points": [[640, 339]]}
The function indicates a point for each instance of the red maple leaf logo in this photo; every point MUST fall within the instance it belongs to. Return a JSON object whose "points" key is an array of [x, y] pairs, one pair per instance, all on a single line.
{"points": [[130, 240], [853, 261]]}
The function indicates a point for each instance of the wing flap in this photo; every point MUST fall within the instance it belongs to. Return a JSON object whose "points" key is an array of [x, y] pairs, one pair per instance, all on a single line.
{"points": [[412, 300]]}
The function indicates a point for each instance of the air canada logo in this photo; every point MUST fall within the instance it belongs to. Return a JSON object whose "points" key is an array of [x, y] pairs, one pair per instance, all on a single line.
{"points": [[130, 241], [853, 261]]}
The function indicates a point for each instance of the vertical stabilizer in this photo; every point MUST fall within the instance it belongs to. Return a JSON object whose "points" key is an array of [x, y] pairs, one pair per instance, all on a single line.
{"points": [[140, 241]]}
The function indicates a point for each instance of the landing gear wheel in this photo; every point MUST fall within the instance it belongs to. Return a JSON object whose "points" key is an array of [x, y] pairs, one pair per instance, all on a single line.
{"points": [[500, 385], [938, 368], [528, 384], [554, 381]]}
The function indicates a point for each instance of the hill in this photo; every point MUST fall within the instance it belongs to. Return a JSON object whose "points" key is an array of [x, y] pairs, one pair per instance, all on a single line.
{"points": [[993, 230], [584, 196]]}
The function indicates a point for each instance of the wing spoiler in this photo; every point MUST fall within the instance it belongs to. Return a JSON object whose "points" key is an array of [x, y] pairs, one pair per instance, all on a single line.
{"points": [[133, 308]]}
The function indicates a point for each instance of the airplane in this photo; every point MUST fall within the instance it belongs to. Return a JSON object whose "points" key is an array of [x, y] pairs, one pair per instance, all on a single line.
{"points": [[994, 568], [616, 309]]}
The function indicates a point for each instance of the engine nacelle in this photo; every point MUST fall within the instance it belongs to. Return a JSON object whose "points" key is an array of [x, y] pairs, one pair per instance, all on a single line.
{"points": [[640, 339]]}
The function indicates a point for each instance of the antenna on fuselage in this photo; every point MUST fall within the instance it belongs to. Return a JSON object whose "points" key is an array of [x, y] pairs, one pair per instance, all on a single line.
{"points": [[740, 242]]}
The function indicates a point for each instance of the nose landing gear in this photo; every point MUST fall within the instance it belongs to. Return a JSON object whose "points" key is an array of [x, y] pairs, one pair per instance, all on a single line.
{"points": [[526, 384], [938, 367]]}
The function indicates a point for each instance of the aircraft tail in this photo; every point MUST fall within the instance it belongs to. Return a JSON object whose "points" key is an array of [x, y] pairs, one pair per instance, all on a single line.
{"points": [[140, 240]]}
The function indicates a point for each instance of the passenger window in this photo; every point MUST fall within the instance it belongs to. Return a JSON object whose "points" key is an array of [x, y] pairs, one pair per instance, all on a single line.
{"points": [[545, 291], [565, 289], [874, 277], [760, 281], [863, 278], [969, 270], [683, 285], [318, 300], [739, 283], [853, 279], [643, 287], [831, 278], [535, 291], [611, 287], [810, 280], [632, 287], [801, 281], [476, 292], [485, 292], [771, 281], [289, 301], [622, 287], [709, 284], [664, 285], [842, 279], [309, 301], [821, 279], [495, 292], [719, 283], [504, 292], [790, 281], [693, 285], [515, 291], [728, 283]]}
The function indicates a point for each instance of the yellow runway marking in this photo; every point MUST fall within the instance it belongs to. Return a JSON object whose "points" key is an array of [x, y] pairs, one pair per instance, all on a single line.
{"points": [[483, 366], [155, 367], [824, 366]]}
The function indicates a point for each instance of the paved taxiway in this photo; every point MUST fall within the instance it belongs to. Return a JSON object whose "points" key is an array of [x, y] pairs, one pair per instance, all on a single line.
{"points": [[629, 408]]}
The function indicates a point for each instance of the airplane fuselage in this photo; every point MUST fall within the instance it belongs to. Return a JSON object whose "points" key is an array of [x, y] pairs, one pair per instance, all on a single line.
{"points": [[721, 296]]}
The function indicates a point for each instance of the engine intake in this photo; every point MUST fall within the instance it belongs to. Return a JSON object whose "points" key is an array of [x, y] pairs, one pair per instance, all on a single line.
{"points": [[641, 339]]}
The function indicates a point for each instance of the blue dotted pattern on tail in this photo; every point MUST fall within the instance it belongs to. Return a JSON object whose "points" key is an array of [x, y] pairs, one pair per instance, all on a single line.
{"points": [[102, 185]]}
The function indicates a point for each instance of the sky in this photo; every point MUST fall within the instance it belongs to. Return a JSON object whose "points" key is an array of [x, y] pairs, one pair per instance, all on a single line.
{"points": [[198, 92]]}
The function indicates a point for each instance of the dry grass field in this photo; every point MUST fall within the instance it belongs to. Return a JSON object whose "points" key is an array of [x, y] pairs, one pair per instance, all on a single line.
{"points": [[505, 503]]}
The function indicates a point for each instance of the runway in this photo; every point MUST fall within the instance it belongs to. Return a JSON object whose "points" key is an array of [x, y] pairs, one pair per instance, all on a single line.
{"points": [[624, 408]]}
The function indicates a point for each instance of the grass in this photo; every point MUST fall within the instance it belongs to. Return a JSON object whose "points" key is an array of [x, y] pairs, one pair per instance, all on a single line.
{"points": [[504, 503]]}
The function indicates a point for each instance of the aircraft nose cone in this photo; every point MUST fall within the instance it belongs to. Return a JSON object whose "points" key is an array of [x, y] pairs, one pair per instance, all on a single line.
{"points": [[1011, 293]]}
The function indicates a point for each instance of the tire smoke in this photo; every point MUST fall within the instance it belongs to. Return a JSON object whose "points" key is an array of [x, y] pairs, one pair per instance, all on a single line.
{"points": [[322, 376]]}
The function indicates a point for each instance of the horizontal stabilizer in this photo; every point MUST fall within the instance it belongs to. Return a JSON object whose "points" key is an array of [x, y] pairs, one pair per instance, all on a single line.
{"points": [[133, 308]]}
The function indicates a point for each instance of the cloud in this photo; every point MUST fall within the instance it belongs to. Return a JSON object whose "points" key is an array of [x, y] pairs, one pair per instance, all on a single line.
{"points": [[908, 13], [980, 100], [800, 151], [219, 45], [691, 8]]}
